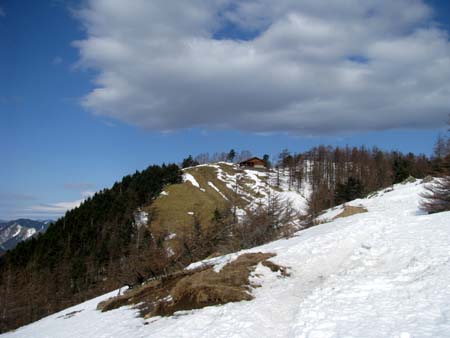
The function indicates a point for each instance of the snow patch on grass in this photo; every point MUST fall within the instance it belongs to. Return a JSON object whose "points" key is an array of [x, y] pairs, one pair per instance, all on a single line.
{"points": [[217, 189], [189, 178]]}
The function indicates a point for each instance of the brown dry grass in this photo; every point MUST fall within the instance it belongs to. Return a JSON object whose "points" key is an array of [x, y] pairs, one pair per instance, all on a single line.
{"points": [[350, 210], [229, 169], [276, 268], [196, 289]]}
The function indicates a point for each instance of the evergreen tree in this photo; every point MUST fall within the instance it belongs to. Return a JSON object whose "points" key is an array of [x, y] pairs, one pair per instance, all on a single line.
{"points": [[189, 162], [231, 155], [266, 159], [401, 167], [349, 191]]}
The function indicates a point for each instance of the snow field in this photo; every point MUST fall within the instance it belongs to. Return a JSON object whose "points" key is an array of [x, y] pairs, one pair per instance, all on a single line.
{"points": [[384, 273]]}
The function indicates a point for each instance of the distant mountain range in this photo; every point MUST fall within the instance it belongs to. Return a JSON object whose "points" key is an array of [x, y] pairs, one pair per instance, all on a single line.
{"points": [[16, 231]]}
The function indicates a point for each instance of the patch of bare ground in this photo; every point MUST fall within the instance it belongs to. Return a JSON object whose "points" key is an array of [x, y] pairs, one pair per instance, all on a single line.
{"points": [[195, 289], [350, 210]]}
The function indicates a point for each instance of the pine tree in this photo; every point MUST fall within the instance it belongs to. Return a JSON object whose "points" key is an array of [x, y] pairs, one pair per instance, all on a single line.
{"points": [[189, 162], [266, 159], [349, 191], [231, 155]]}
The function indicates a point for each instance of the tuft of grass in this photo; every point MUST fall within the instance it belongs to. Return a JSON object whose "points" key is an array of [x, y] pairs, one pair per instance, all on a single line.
{"points": [[409, 179], [350, 210], [428, 179]]}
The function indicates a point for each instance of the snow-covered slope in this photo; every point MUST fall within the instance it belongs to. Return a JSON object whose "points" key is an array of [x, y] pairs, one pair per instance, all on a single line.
{"points": [[384, 273]]}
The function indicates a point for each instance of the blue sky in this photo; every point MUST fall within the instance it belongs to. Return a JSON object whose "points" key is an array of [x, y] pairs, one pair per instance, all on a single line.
{"points": [[60, 141]]}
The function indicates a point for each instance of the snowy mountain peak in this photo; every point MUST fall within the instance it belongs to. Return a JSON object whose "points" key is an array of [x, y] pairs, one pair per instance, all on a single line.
{"points": [[16, 231]]}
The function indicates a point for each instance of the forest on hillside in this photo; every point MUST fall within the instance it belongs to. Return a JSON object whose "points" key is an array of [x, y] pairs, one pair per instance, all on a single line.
{"points": [[85, 253], [340, 174]]}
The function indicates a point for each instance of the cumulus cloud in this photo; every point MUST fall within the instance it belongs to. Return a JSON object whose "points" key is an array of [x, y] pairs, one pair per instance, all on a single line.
{"points": [[311, 66]]}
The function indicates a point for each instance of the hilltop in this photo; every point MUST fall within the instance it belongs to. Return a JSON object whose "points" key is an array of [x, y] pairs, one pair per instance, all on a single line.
{"points": [[217, 186]]}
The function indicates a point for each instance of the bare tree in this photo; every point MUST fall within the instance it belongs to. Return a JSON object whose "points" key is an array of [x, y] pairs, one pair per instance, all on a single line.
{"points": [[243, 155], [266, 222], [437, 196], [203, 158], [440, 147]]}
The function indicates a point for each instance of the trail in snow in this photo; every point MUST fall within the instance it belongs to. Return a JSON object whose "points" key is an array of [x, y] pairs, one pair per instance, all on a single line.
{"points": [[384, 273]]}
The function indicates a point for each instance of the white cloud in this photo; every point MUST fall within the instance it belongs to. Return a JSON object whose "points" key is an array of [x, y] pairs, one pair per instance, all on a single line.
{"points": [[86, 194], [313, 67], [58, 208], [17, 205], [2, 12]]}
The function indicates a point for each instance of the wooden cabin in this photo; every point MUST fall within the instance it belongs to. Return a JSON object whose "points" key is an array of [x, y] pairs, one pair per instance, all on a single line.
{"points": [[254, 162]]}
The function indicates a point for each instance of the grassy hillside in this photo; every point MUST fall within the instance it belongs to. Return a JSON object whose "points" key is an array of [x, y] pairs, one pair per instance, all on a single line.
{"points": [[182, 207]]}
